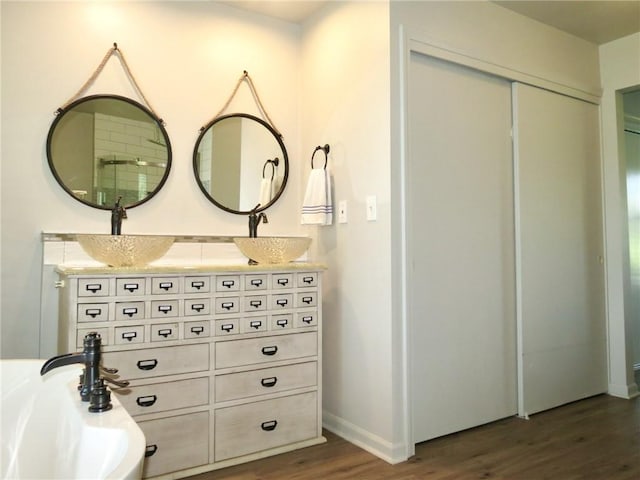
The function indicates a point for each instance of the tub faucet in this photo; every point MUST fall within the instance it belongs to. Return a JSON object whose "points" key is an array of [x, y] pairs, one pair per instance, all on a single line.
{"points": [[118, 213], [92, 388], [254, 220]]}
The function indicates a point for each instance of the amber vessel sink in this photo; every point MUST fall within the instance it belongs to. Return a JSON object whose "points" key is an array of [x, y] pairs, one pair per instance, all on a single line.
{"points": [[125, 250], [273, 249]]}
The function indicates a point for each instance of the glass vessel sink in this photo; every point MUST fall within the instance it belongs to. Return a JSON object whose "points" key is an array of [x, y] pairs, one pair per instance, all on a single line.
{"points": [[125, 250], [273, 249]]}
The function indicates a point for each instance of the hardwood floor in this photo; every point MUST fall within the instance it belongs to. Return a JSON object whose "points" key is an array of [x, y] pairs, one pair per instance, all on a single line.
{"points": [[596, 438]]}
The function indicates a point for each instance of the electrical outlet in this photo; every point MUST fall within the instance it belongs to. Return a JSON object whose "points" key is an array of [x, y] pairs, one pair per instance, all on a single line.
{"points": [[342, 211]]}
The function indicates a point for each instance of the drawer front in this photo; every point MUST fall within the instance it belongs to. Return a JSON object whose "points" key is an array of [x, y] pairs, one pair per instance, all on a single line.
{"points": [[306, 319], [128, 335], [154, 362], [281, 301], [282, 280], [175, 443], [161, 286], [253, 324], [82, 332], [258, 426], [164, 331], [229, 326], [126, 287], [281, 322], [164, 308], [255, 282], [308, 279], [266, 380], [227, 283], [93, 312], [261, 350], [307, 299], [93, 287], [197, 329], [197, 284], [227, 304], [197, 306], [255, 303], [160, 397], [129, 310]]}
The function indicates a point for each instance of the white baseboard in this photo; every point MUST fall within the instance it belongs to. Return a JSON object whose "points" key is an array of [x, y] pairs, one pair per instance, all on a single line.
{"points": [[364, 439], [623, 391]]}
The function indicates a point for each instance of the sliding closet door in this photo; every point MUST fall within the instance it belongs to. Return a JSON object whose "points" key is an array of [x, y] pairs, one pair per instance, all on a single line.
{"points": [[460, 247], [561, 281]]}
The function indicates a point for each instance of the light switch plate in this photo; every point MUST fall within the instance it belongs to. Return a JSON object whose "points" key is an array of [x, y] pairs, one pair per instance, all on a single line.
{"points": [[342, 211], [372, 208]]}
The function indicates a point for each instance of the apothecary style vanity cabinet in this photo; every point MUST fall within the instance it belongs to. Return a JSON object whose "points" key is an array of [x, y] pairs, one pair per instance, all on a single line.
{"points": [[224, 364]]}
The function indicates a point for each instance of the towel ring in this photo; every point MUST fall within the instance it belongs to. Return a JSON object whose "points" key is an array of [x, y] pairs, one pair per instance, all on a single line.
{"points": [[325, 149], [274, 163]]}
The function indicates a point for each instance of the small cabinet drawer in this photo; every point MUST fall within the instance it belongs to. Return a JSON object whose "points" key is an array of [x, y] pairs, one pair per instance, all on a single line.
{"points": [[253, 324], [282, 280], [252, 427], [281, 301], [227, 304], [307, 299], [262, 350], [154, 362], [93, 287], [281, 322], [130, 286], [164, 308], [93, 312], [160, 397], [197, 284], [229, 326], [129, 334], [255, 303], [175, 443], [197, 329], [233, 386], [228, 283], [82, 332], [197, 306], [255, 282], [307, 279], [306, 319], [164, 331], [129, 310], [161, 286]]}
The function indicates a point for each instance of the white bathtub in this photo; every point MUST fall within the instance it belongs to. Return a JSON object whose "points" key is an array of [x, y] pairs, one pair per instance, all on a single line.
{"points": [[47, 432]]}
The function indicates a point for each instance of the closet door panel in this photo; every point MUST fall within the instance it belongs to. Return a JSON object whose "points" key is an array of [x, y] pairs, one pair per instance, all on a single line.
{"points": [[461, 275], [561, 281]]}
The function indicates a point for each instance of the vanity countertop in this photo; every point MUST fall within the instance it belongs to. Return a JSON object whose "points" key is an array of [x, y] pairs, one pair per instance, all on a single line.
{"points": [[98, 270]]}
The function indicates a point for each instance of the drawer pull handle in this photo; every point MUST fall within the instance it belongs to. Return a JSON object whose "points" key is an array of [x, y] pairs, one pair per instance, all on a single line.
{"points": [[269, 426], [166, 286], [307, 300], [282, 302], [283, 281], [93, 312], [131, 287], [129, 335], [130, 311], [226, 327], [307, 280], [165, 332], [255, 324], [255, 303], [198, 307], [197, 330], [165, 308], [227, 305], [282, 322], [197, 285], [269, 382], [93, 287], [307, 319], [256, 282], [228, 283], [271, 350], [150, 450], [146, 401], [147, 364]]}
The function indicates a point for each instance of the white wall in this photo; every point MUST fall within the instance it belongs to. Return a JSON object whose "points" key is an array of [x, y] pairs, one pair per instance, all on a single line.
{"points": [[187, 58], [620, 70]]}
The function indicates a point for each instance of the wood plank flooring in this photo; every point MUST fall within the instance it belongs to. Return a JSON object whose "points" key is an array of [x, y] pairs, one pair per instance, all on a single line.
{"points": [[597, 438]]}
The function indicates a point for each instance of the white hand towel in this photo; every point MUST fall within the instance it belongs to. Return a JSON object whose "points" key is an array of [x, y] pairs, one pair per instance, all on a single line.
{"points": [[317, 208], [265, 191]]}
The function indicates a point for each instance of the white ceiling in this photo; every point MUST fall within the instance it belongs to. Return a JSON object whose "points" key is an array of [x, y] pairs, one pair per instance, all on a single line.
{"points": [[598, 21]]}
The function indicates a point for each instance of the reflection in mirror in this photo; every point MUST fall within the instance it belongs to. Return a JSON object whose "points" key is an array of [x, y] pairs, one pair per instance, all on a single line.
{"points": [[105, 146], [239, 162]]}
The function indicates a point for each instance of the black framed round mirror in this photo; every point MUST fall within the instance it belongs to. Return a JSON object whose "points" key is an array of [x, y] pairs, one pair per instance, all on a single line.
{"points": [[103, 147], [240, 161]]}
